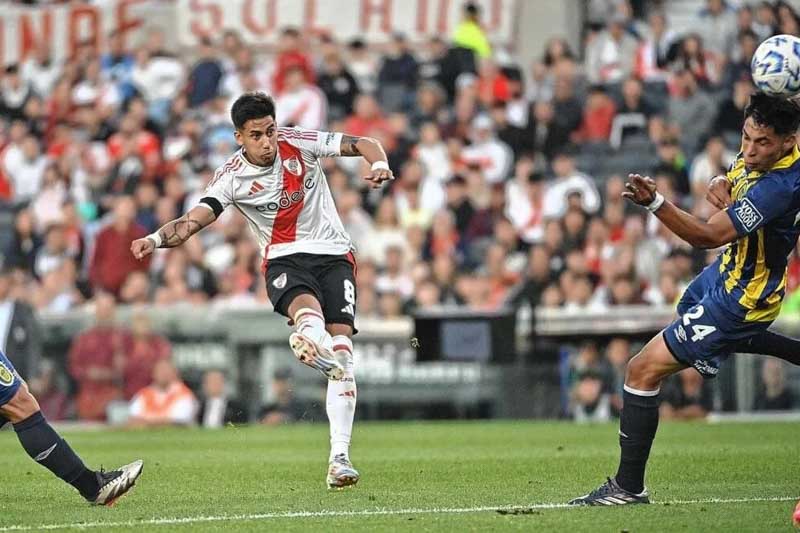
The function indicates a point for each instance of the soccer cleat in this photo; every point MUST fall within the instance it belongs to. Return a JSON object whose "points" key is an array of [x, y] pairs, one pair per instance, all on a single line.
{"points": [[115, 483], [315, 356], [341, 473], [609, 493]]}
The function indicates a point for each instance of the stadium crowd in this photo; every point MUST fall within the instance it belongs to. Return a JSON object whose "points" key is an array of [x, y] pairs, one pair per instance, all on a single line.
{"points": [[508, 176]]}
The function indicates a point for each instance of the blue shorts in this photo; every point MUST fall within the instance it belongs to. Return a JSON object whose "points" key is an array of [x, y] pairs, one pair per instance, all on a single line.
{"points": [[706, 333], [9, 380]]}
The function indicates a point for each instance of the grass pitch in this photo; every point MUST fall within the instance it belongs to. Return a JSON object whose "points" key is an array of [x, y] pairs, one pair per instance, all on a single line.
{"points": [[415, 476]]}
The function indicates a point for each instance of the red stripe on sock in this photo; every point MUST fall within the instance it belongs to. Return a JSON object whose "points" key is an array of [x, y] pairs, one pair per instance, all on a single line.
{"points": [[337, 347]]}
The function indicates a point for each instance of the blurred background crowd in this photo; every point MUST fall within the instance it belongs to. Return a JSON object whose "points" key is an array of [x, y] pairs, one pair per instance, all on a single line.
{"points": [[508, 175]]}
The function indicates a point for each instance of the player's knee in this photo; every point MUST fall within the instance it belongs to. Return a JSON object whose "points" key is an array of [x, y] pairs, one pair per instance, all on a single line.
{"points": [[21, 406], [641, 374], [339, 329]]}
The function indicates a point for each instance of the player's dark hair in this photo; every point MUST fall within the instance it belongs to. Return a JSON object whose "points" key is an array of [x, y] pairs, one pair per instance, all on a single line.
{"points": [[253, 105], [779, 113]]}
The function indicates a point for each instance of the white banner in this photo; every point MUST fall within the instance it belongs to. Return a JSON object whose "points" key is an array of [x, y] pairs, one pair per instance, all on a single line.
{"points": [[63, 27], [261, 21]]}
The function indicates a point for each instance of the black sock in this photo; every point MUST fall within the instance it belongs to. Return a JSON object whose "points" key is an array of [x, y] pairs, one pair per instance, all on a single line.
{"points": [[774, 344], [637, 426], [47, 448]]}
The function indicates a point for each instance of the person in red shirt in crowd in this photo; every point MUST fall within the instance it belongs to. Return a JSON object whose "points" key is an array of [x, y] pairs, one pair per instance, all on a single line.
{"points": [[493, 85], [146, 144], [598, 115], [291, 55], [147, 348], [97, 360], [366, 118], [112, 260]]}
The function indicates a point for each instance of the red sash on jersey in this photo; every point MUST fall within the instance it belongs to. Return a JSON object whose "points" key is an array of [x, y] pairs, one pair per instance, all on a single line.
{"points": [[285, 227]]}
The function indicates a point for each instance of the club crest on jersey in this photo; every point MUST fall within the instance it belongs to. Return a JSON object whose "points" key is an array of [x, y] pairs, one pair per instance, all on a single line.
{"points": [[280, 281], [6, 376], [293, 165]]}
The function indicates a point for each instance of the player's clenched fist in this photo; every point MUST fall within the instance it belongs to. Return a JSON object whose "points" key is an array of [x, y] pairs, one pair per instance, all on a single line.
{"points": [[719, 192], [141, 248], [380, 172]]}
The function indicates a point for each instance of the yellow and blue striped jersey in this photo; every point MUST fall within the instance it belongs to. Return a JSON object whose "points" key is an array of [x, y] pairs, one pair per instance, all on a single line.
{"points": [[765, 213]]}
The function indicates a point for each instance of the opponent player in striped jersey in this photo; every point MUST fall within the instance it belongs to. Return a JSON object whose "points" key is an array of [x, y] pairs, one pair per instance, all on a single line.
{"points": [[277, 183], [729, 306]]}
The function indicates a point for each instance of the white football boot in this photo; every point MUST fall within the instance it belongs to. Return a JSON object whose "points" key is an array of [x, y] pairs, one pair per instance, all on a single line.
{"points": [[312, 354], [341, 473]]}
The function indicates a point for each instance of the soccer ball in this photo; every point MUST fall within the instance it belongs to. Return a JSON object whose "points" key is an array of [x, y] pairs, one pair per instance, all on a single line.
{"points": [[776, 66]]}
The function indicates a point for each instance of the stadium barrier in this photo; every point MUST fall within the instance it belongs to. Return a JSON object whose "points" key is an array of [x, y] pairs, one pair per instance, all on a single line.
{"points": [[401, 374]]}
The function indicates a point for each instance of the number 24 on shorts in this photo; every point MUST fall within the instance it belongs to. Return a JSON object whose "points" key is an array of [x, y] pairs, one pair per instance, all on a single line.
{"points": [[699, 331]]}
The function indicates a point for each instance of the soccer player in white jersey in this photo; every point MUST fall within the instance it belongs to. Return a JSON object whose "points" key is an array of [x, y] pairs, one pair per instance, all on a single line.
{"points": [[276, 182]]}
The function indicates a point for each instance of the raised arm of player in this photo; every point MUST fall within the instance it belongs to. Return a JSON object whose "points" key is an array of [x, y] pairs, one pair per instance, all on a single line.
{"points": [[175, 232], [719, 229], [371, 150]]}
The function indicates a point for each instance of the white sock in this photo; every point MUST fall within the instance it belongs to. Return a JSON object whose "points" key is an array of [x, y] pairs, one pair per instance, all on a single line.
{"points": [[341, 400], [311, 324]]}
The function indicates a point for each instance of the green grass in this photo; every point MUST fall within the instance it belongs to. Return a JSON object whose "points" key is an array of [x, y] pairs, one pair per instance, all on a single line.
{"points": [[252, 471]]}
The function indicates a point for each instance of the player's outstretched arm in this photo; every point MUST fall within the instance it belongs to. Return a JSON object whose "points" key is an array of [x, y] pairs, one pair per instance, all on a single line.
{"points": [[371, 150], [719, 229], [175, 232]]}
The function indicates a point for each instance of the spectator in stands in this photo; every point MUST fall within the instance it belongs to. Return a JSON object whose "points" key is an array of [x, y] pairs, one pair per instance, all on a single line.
{"points": [[300, 103], [470, 34], [590, 402], [284, 406], [54, 251], [685, 396], [97, 361], [216, 408], [117, 64], [366, 118], [397, 76], [705, 65], [673, 164], [167, 401], [717, 21], [338, 85], [568, 181], [491, 155], [112, 260], [49, 393], [40, 71], [25, 169], [206, 74], [788, 19], [159, 79], [632, 116], [14, 93], [765, 23], [652, 56], [598, 115], [730, 117], [692, 110], [144, 351], [773, 393], [611, 54], [291, 55], [713, 161], [363, 66], [739, 66]]}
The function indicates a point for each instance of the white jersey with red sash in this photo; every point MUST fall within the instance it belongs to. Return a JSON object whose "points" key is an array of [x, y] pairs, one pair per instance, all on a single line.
{"points": [[288, 206]]}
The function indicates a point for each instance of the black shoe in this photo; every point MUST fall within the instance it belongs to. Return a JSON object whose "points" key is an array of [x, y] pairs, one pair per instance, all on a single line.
{"points": [[115, 483], [609, 493]]}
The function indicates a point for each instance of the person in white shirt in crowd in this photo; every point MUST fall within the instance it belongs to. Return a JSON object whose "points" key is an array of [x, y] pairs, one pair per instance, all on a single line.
{"points": [[569, 181], [300, 103], [160, 79], [492, 155], [432, 152], [712, 161], [40, 71], [25, 169], [611, 54], [393, 279]]}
